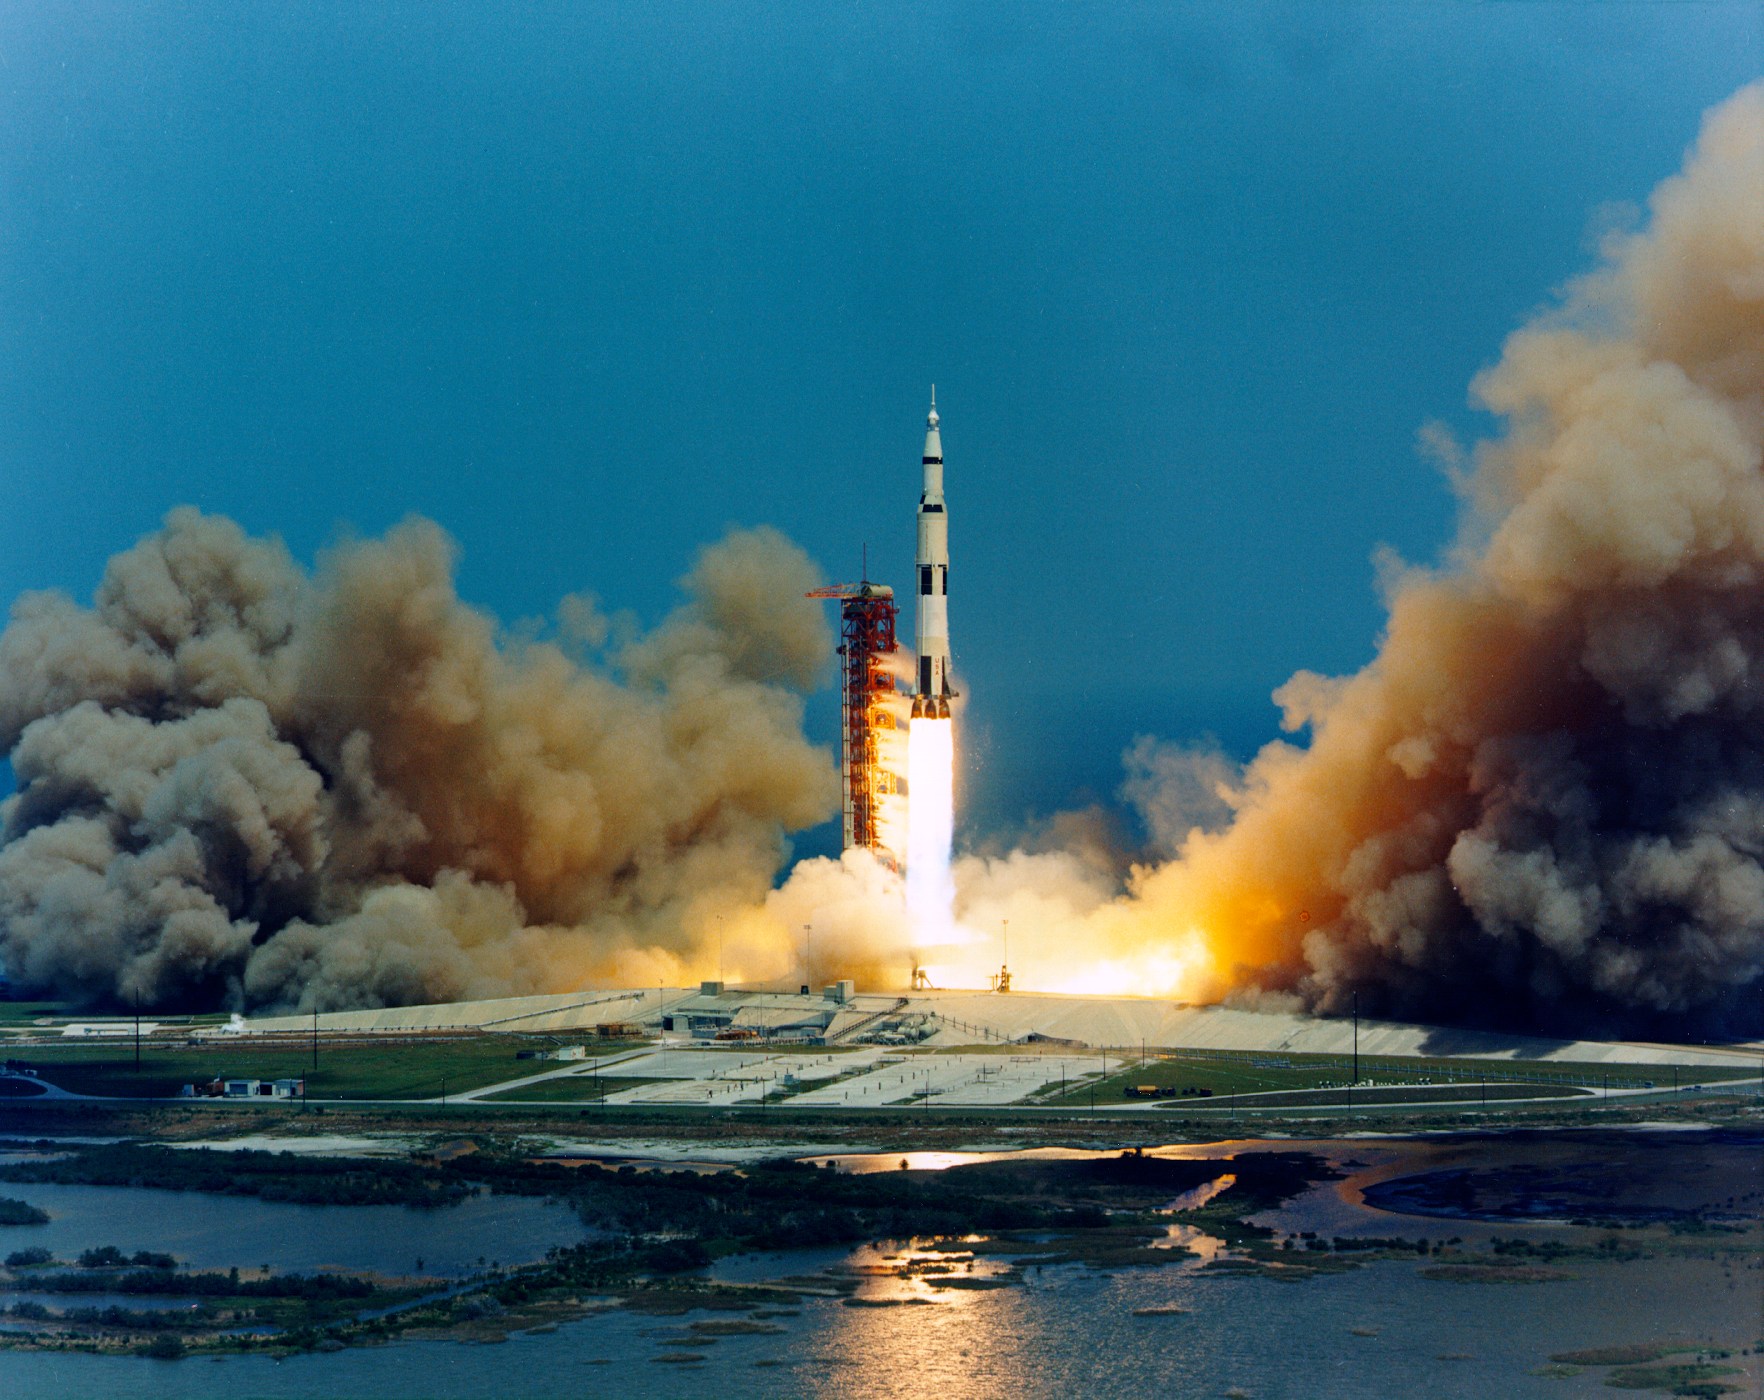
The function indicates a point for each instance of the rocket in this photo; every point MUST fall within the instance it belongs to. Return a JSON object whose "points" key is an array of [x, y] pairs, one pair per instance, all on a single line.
{"points": [[932, 696]]}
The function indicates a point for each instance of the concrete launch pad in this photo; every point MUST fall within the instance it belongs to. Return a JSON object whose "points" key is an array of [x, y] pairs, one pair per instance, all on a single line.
{"points": [[945, 1019]]}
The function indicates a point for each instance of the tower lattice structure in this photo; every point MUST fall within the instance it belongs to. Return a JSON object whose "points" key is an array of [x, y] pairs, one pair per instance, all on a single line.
{"points": [[867, 617]]}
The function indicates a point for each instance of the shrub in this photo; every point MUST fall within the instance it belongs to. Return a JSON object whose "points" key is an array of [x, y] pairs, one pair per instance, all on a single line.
{"points": [[25, 1258], [21, 1213]]}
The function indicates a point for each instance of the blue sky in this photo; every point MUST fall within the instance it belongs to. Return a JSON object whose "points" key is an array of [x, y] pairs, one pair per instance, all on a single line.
{"points": [[589, 284]]}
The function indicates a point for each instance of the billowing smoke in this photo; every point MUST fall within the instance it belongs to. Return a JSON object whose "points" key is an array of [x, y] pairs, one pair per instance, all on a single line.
{"points": [[1543, 803], [240, 785]]}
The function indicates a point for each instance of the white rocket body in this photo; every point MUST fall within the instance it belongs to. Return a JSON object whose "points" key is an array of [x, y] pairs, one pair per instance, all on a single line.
{"points": [[932, 694]]}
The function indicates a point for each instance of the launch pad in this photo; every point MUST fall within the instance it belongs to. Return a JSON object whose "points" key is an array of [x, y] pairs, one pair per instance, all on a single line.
{"points": [[945, 1020]]}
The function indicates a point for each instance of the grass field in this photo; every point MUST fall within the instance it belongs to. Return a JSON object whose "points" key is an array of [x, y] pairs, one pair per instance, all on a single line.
{"points": [[1392, 1079], [15, 1014], [19, 1017], [1363, 1097], [402, 1070]]}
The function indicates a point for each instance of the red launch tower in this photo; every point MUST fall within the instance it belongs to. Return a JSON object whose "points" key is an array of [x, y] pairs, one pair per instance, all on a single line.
{"points": [[867, 613]]}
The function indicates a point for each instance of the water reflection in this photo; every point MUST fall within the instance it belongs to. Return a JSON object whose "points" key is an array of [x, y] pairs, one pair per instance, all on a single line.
{"points": [[216, 1232], [865, 1162], [1196, 1241], [1200, 1195], [929, 1271]]}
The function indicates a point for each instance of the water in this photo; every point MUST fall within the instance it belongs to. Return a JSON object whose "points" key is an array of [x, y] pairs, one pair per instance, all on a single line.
{"points": [[1068, 1331], [864, 1162], [217, 1232], [1379, 1330]]}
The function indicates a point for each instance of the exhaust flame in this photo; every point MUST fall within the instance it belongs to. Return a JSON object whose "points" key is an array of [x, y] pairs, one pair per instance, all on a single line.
{"points": [[930, 883]]}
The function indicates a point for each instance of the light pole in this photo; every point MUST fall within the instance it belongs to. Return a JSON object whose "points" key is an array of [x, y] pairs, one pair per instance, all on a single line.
{"points": [[1356, 1037], [808, 956]]}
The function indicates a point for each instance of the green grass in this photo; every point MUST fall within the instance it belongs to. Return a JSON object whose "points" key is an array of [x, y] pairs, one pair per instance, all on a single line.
{"points": [[1363, 1097], [1684, 1379], [401, 1070], [1632, 1354], [18, 1017], [1451, 1080], [14, 1014]]}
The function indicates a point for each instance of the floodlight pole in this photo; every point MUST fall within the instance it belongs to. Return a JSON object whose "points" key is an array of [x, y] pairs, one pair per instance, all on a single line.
{"points": [[1356, 1037], [315, 1038], [137, 1028]]}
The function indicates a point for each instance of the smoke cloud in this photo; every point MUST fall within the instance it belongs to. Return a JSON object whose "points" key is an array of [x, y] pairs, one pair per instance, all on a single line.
{"points": [[1542, 804], [240, 785]]}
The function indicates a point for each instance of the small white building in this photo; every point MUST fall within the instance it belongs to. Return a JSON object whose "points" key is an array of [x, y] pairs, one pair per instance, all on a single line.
{"points": [[245, 1089]]}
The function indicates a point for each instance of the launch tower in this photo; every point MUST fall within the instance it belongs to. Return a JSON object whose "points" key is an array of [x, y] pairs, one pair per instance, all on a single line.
{"points": [[867, 613]]}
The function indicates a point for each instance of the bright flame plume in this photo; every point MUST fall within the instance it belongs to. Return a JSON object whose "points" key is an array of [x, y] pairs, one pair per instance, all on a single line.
{"points": [[930, 883]]}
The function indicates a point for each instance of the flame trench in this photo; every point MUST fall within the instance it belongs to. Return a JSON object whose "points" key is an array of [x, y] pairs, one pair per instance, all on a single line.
{"points": [[930, 884]]}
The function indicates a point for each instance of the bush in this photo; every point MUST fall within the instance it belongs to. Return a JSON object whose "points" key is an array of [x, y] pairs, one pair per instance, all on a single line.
{"points": [[164, 1347], [25, 1258], [21, 1213], [104, 1257]]}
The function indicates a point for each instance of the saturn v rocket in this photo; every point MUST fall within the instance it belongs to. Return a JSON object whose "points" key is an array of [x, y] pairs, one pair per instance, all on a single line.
{"points": [[932, 696]]}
